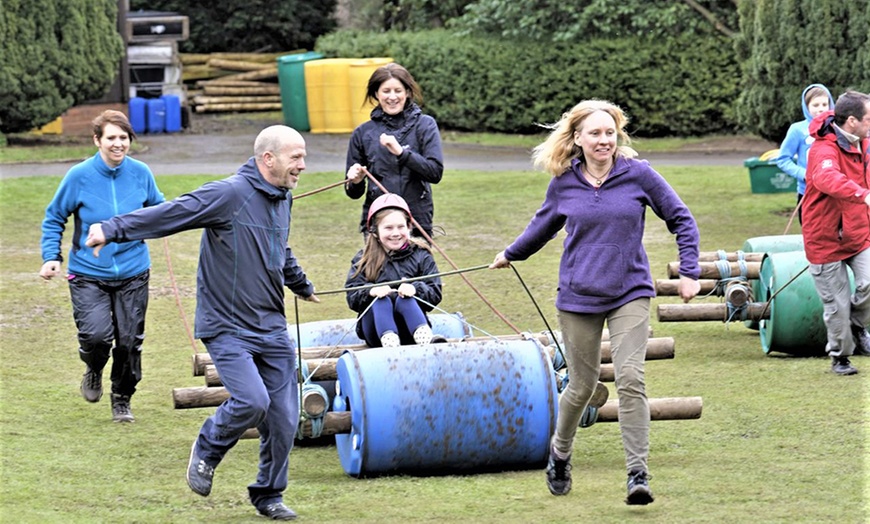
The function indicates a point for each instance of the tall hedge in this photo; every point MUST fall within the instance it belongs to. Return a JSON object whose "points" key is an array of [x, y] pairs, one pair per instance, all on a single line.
{"points": [[248, 25], [787, 44], [682, 86], [55, 54]]}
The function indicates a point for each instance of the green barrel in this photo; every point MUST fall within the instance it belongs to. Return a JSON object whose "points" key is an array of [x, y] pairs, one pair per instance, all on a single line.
{"points": [[769, 244], [796, 325], [291, 79]]}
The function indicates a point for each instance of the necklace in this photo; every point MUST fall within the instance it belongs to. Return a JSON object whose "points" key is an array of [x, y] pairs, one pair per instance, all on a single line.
{"points": [[598, 179]]}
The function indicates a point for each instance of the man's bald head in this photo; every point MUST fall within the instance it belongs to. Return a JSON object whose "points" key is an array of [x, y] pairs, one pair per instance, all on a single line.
{"points": [[275, 138]]}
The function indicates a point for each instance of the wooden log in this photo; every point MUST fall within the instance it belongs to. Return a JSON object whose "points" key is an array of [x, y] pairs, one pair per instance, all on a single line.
{"points": [[202, 71], [205, 100], [198, 397], [241, 91], [238, 65], [710, 270], [229, 108], [263, 58], [671, 287], [672, 408], [223, 82], [712, 256], [707, 312], [260, 74], [656, 349], [313, 404], [606, 373], [334, 423]]}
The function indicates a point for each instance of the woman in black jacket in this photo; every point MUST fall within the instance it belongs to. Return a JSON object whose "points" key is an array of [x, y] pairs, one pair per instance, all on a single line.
{"points": [[400, 146], [391, 316]]}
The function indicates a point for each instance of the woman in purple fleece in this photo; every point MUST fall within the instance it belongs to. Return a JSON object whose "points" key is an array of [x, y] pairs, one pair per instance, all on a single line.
{"points": [[599, 194]]}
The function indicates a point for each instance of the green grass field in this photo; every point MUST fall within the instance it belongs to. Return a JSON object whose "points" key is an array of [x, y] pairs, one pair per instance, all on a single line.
{"points": [[781, 439]]}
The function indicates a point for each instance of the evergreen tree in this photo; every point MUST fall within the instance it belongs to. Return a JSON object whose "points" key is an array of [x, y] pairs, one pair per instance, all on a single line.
{"points": [[786, 45], [56, 53], [248, 25]]}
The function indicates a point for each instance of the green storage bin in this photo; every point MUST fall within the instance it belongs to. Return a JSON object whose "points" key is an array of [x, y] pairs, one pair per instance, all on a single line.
{"points": [[766, 177], [291, 78]]}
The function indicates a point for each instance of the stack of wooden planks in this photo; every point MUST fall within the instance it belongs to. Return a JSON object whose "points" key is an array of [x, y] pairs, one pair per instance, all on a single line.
{"points": [[232, 82]]}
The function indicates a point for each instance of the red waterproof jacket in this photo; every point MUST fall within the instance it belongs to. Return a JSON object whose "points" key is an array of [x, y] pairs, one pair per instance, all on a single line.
{"points": [[836, 221]]}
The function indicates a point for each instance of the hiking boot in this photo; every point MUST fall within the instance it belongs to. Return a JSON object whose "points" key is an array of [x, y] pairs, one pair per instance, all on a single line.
{"points": [[842, 366], [862, 341], [92, 385], [277, 511], [639, 493], [121, 408], [558, 474], [199, 474]]}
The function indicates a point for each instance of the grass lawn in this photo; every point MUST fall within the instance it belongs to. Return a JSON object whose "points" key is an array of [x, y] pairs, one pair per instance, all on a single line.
{"points": [[781, 439]]}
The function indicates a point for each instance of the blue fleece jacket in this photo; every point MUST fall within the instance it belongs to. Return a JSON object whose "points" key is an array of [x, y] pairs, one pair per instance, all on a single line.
{"points": [[244, 260], [792, 159], [93, 191], [604, 264]]}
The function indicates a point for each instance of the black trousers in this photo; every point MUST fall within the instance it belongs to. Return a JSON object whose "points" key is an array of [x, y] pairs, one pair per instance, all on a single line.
{"points": [[107, 312]]}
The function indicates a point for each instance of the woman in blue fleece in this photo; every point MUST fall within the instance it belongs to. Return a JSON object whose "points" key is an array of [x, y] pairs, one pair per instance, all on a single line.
{"points": [[599, 195], [792, 159], [109, 294], [399, 146]]}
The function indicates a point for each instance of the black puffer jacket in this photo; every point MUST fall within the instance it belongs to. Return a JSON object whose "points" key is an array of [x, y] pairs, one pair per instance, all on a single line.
{"points": [[408, 175], [410, 262]]}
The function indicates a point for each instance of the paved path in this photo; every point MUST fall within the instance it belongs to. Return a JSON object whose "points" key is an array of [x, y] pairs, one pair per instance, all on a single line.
{"points": [[187, 154]]}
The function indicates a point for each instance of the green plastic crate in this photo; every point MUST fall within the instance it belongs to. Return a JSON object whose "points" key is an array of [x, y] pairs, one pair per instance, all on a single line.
{"points": [[766, 177]]}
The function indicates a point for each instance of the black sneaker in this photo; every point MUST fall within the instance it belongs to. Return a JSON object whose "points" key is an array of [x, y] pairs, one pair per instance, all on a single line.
{"points": [[638, 488], [277, 511], [92, 385], [121, 408], [862, 341], [559, 474], [438, 339], [842, 366], [199, 474]]}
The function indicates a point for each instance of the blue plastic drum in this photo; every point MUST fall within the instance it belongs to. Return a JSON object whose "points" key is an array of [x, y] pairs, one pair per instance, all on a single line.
{"points": [[342, 332], [442, 408]]}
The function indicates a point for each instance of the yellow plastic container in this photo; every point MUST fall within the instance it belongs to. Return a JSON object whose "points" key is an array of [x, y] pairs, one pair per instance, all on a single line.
{"points": [[360, 72], [327, 89], [55, 127]]}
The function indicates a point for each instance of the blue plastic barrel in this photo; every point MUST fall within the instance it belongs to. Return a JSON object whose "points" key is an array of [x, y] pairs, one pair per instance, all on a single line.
{"points": [[343, 331], [136, 108], [156, 111], [173, 113], [440, 408]]}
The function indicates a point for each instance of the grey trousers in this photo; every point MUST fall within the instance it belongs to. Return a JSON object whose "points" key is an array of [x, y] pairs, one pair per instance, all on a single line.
{"points": [[629, 333], [842, 308]]}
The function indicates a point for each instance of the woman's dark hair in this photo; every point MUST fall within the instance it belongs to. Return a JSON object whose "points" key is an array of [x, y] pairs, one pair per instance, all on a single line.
{"points": [[393, 70], [110, 116]]}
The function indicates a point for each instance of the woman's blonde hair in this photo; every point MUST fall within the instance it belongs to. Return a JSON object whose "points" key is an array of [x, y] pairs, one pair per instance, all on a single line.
{"points": [[374, 255], [555, 154]]}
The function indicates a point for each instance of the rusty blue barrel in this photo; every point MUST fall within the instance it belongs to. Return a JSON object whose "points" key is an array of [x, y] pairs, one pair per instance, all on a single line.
{"points": [[769, 244], [796, 325], [442, 408], [343, 331]]}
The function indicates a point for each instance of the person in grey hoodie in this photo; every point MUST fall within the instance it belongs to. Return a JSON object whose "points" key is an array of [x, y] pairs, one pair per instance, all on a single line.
{"points": [[599, 193], [244, 264]]}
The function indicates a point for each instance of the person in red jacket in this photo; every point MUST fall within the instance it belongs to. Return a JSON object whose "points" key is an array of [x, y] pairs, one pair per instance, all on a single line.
{"points": [[836, 227]]}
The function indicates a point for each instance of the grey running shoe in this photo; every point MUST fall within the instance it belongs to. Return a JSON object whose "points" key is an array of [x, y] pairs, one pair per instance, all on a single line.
{"points": [[121, 408], [277, 511], [199, 474], [638, 489], [558, 474], [92, 385]]}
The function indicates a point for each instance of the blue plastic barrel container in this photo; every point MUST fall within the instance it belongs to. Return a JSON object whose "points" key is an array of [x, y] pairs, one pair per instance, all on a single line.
{"points": [[136, 108], [173, 113], [442, 408], [343, 331], [156, 119]]}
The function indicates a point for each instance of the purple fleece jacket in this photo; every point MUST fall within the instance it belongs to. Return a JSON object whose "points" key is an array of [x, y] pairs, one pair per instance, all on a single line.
{"points": [[604, 264]]}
